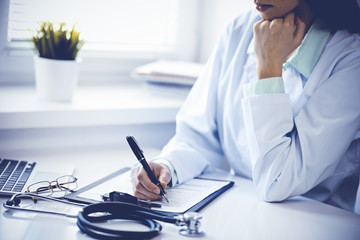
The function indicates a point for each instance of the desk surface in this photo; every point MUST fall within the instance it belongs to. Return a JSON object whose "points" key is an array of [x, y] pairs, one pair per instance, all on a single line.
{"points": [[237, 214]]}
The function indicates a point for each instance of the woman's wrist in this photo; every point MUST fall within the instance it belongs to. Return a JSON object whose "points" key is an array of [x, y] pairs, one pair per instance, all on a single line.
{"points": [[269, 70]]}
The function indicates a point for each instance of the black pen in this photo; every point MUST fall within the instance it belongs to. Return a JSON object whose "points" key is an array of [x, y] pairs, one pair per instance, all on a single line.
{"points": [[141, 158]]}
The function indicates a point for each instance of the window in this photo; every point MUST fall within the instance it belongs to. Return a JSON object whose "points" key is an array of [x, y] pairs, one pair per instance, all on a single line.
{"points": [[105, 24], [119, 34]]}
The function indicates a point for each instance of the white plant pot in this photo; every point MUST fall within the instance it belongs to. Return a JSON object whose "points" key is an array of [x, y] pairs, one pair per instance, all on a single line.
{"points": [[56, 80]]}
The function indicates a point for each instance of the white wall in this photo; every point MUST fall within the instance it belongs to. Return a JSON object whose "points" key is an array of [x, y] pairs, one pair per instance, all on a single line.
{"points": [[214, 15]]}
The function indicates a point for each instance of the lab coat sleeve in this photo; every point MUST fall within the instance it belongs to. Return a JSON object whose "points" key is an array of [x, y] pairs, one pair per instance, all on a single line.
{"points": [[266, 85], [291, 155], [195, 148]]}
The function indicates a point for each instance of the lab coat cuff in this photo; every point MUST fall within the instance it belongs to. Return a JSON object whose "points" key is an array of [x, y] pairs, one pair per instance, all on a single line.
{"points": [[174, 178], [264, 86]]}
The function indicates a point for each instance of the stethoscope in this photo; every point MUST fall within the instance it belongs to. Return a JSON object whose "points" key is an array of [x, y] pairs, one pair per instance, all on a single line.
{"points": [[105, 211]]}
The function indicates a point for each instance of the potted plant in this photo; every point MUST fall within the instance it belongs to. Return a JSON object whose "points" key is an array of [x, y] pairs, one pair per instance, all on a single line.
{"points": [[56, 64]]}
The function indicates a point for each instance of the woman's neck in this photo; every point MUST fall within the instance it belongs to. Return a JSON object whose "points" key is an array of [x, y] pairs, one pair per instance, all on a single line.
{"points": [[304, 12]]}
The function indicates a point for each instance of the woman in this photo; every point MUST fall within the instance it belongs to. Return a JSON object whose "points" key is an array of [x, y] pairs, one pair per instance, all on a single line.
{"points": [[280, 100]]}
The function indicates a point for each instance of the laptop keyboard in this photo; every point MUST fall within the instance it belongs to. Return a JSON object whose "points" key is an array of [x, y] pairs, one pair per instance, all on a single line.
{"points": [[14, 174]]}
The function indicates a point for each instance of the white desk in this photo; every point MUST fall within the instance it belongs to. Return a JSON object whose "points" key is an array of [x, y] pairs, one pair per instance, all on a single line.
{"points": [[237, 214]]}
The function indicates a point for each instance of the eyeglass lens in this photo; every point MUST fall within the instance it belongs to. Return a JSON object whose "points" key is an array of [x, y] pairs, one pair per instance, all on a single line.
{"points": [[58, 186], [67, 183]]}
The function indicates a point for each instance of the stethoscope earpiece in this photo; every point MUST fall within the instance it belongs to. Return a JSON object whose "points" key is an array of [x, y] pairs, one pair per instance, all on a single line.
{"points": [[13, 201]]}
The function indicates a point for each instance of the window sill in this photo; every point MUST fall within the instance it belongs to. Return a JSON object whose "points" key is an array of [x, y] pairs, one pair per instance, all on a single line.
{"points": [[128, 103]]}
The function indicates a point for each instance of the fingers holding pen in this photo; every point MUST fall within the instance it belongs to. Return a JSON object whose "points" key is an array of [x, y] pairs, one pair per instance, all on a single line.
{"points": [[162, 172], [142, 186]]}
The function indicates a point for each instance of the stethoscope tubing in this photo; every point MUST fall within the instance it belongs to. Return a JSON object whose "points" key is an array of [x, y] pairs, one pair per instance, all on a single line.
{"points": [[38, 211], [123, 210], [105, 233], [31, 195], [105, 211], [101, 212]]}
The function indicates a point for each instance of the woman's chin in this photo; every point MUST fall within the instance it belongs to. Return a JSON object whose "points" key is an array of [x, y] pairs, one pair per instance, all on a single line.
{"points": [[272, 13], [269, 17]]}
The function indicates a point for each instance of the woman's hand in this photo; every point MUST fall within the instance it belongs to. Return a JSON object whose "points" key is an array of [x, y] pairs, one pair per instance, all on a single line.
{"points": [[142, 185], [275, 40]]}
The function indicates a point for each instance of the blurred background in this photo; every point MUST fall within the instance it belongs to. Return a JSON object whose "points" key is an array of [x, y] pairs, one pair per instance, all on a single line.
{"points": [[119, 36]]}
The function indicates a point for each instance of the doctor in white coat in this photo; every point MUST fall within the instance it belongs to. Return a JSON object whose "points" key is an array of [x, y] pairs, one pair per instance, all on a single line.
{"points": [[280, 101]]}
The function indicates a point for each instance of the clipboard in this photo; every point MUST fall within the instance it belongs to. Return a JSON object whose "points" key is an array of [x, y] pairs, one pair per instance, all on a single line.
{"points": [[200, 205], [74, 196], [195, 207]]}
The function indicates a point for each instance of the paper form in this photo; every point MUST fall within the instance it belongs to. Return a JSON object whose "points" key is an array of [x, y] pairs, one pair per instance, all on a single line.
{"points": [[181, 197]]}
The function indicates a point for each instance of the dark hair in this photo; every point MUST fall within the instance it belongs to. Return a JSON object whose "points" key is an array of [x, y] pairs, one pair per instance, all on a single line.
{"points": [[337, 14]]}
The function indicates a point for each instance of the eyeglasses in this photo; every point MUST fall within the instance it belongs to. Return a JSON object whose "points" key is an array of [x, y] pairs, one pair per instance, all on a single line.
{"points": [[60, 186]]}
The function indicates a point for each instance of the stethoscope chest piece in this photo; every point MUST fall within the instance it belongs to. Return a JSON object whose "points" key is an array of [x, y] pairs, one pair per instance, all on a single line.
{"points": [[192, 221]]}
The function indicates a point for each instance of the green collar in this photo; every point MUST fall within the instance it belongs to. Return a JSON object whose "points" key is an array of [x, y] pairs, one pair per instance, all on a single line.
{"points": [[308, 53]]}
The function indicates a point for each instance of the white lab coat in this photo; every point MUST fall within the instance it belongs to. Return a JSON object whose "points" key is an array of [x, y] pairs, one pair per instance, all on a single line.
{"points": [[309, 146]]}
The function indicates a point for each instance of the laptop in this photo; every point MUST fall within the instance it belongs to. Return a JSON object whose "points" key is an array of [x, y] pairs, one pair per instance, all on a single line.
{"points": [[16, 175]]}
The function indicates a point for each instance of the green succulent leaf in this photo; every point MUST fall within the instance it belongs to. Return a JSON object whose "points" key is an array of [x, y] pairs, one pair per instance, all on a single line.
{"points": [[57, 44]]}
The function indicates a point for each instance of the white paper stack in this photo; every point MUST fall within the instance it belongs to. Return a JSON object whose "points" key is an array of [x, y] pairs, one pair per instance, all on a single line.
{"points": [[169, 72]]}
